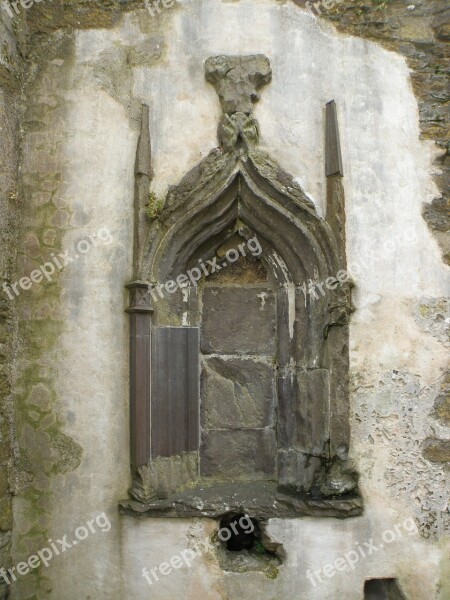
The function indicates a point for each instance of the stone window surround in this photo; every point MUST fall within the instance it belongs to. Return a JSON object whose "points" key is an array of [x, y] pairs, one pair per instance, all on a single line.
{"points": [[239, 189]]}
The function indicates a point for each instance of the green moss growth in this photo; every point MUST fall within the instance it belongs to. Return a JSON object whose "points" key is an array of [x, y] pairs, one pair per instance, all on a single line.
{"points": [[259, 548], [154, 206]]}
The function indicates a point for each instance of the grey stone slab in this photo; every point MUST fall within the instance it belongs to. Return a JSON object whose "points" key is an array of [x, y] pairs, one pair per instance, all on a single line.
{"points": [[238, 454], [287, 426], [259, 499], [238, 320], [297, 470], [337, 361], [237, 393], [313, 410]]}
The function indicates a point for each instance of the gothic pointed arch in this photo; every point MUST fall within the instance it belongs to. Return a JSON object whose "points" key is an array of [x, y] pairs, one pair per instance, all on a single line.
{"points": [[240, 194]]}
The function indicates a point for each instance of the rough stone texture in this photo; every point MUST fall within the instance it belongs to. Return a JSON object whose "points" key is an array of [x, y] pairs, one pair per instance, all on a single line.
{"points": [[246, 454], [398, 420], [433, 316], [313, 409], [247, 562], [238, 320], [237, 80], [164, 476], [340, 478], [256, 499], [237, 393], [46, 17]]}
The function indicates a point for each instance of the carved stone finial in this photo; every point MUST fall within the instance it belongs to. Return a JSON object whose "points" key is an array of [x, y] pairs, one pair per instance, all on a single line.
{"points": [[237, 80]]}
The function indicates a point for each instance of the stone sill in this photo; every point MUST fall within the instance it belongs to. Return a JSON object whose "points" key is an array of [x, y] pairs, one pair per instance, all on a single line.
{"points": [[259, 499]]}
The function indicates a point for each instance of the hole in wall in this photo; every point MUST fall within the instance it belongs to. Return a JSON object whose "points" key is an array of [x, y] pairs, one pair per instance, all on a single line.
{"points": [[244, 546], [238, 532], [383, 589]]}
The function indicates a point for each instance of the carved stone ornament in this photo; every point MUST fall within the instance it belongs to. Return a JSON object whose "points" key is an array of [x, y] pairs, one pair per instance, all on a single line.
{"points": [[237, 80], [265, 426]]}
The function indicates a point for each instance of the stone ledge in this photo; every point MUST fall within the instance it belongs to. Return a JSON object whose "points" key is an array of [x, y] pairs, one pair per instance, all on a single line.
{"points": [[260, 499]]}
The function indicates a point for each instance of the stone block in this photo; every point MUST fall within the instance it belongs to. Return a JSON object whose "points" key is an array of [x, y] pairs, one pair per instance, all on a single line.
{"points": [[287, 427], [237, 393], [238, 320], [297, 470], [313, 410], [239, 454]]}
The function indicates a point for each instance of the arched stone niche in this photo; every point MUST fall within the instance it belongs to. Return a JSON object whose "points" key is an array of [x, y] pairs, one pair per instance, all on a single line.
{"points": [[239, 367]]}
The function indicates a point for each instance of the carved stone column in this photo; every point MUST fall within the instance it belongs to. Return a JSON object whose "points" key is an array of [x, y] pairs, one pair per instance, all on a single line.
{"points": [[140, 311]]}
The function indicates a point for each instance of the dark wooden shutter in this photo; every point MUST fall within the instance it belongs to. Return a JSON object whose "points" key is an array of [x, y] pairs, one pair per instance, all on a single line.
{"points": [[175, 396]]}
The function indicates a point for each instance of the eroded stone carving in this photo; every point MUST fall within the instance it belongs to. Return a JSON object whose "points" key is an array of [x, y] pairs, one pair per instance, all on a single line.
{"points": [[237, 80], [235, 193], [164, 476]]}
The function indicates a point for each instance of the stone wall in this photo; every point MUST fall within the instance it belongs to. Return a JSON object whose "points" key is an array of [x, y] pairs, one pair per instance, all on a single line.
{"points": [[83, 92], [239, 397], [10, 213]]}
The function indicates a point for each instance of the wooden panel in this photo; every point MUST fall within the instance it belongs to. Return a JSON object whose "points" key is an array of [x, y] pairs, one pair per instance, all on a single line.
{"points": [[175, 405], [140, 388]]}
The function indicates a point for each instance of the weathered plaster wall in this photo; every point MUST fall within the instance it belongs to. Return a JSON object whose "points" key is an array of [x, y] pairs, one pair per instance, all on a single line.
{"points": [[81, 127], [419, 31]]}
